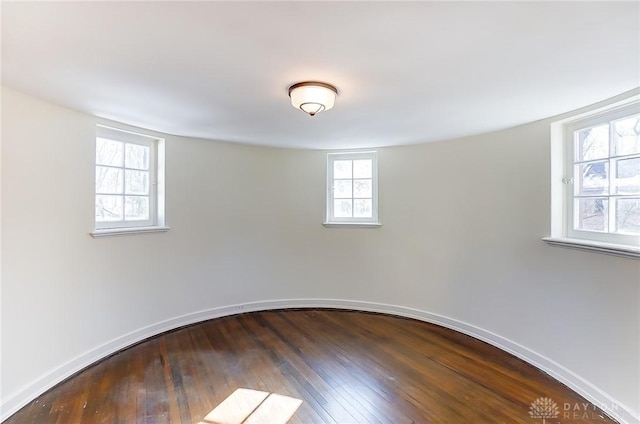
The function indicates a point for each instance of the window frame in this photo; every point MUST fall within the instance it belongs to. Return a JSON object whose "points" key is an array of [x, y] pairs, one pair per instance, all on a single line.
{"points": [[330, 219], [563, 161], [156, 221]]}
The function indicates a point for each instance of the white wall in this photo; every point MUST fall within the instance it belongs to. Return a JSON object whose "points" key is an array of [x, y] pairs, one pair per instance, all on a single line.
{"points": [[462, 223]]}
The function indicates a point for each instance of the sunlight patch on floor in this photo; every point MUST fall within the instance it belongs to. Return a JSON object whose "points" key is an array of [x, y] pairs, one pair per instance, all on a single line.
{"points": [[247, 406]]}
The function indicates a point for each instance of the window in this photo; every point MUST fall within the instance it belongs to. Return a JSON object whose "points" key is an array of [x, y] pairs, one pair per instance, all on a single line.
{"points": [[129, 174], [596, 175], [352, 188]]}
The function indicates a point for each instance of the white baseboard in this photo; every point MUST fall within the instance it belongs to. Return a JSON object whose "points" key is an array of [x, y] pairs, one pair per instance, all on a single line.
{"points": [[594, 395]]}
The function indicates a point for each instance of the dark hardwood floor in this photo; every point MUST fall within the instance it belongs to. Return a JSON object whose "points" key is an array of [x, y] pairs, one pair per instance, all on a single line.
{"points": [[346, 367]]}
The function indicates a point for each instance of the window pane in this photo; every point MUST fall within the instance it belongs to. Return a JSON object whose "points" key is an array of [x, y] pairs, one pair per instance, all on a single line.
{"points": [[108, 208], [362, 188], [628, 176], [628, 216], [108, 180], [342, 189], [136, 182], [593, 143], [362, 208], [592, 214], [136, 156], [626, 136], [362, 168], [342, 208], [109, 152], [593, 178], [342, 169], [136, 208]]}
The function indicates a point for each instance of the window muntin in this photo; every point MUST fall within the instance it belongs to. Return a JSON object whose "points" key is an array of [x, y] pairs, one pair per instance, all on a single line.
{"points": [[126, 179], [602, 176], [352, 187]]}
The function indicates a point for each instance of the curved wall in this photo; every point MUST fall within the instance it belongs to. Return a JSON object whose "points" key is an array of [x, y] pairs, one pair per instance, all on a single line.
{"points": [[460, 242]]}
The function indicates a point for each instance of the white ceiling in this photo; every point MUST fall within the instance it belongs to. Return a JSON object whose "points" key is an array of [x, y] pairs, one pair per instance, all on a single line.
{"points": [[406, 72]]}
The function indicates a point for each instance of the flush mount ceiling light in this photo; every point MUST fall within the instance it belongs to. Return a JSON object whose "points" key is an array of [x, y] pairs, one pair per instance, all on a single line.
{"points": [[312, 97]]}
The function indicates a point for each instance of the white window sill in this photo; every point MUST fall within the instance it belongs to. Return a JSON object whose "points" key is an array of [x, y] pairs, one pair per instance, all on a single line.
{"points": [[594, 246], [112, 232], [352, 224]]}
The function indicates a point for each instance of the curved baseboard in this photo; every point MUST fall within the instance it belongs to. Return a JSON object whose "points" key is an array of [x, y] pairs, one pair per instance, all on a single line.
{"points": [[593, 394]]}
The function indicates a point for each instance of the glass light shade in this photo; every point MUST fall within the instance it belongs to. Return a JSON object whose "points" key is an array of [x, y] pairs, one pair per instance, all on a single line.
{"points": [[312, 98]]}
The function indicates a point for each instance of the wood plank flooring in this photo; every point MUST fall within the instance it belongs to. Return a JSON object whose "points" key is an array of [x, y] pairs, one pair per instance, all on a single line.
{"points": [[346, 367]]}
